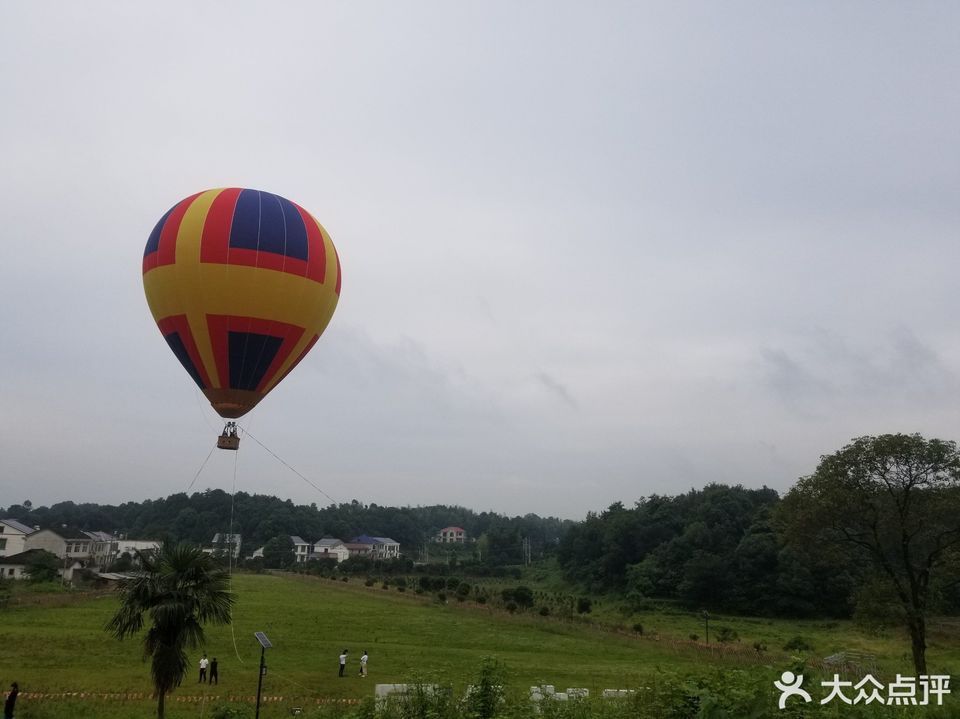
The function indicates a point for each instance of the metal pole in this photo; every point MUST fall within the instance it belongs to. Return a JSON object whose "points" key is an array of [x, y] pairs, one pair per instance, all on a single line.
{"points": [[260, 680]]}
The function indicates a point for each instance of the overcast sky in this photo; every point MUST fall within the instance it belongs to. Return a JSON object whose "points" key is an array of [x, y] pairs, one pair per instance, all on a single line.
{"points": [[591, 251]]}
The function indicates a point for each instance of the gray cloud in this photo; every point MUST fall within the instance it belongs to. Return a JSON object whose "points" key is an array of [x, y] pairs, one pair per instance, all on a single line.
{"points": [[724, 237]]}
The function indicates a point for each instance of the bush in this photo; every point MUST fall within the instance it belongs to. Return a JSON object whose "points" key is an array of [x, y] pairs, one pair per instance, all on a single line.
{"points": [[484, 701], [798, 644], [726, 634], [544, 611], [369, 582], [584, 605], [638, 628], [511, 606]]}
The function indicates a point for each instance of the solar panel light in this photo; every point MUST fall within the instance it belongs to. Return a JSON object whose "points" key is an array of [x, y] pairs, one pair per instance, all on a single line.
{"points": [[264, 646]]}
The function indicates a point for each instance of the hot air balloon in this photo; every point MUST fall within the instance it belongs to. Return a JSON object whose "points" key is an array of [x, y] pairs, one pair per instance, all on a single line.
{"points": [[241, 283]]}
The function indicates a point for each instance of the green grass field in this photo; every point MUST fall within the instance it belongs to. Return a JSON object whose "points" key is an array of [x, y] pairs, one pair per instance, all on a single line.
{"points": [[58, 646]]}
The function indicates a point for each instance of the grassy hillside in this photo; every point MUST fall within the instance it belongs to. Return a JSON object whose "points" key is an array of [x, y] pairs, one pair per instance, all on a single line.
{"points": [[59, 646]]}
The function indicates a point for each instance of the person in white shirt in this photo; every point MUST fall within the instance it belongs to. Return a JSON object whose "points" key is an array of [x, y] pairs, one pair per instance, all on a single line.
{"points": [[343, 661], [363, 663], [203, 668]]}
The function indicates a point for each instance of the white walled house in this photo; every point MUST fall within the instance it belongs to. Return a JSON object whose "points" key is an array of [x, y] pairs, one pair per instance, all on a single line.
{"points": [[301, 549], [67, 543], [224, 543], [13, 537], [103, 549], [16, 566], [329, 547], [132, 546], [380, 547]]}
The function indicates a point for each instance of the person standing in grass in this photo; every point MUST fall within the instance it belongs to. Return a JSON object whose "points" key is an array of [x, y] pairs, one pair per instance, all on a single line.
{"points": [[203, 668], [363, 663], [11, 701], [214, 672], [343, 661]]}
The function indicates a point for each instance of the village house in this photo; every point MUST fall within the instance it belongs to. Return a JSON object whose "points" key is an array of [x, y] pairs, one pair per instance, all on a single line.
{"points": [[17, 566], [379, 547], [225, 544], [66, 543], [301, 549], [449, 535], [13, 536], [329, 547]]}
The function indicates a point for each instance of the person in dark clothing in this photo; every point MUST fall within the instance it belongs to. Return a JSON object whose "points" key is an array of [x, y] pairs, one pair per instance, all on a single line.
{"points": [[214, 677], [11, 701]]}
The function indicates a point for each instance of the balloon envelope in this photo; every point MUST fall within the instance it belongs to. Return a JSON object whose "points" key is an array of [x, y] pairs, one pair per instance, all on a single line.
{"points": [[241, 283]]}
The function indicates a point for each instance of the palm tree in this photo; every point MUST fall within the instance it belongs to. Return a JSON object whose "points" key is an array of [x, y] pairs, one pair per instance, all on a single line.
{"points": [[181, 588]]}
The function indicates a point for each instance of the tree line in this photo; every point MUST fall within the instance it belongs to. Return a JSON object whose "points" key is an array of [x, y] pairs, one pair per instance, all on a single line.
{"points": [[874, 531], [260, 518]]}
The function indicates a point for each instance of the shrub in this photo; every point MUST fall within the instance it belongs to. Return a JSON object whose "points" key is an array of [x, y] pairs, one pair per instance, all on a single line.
{"points": [[511, 606], [726, 634], [799, 644], [584, 605], [523, 596], [638, 628], [544, 611]]}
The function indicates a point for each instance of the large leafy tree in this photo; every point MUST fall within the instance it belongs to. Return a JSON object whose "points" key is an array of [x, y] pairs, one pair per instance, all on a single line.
{"points": [[894, 502], [178, 589]]}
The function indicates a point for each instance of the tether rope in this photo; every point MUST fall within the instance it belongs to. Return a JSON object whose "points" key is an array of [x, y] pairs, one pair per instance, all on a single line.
{"points": [[189, 486], [280, 459], [230, 544]]}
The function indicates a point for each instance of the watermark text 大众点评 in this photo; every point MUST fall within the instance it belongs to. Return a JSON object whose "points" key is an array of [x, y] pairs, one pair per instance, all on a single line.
{"points": [[904, 691]]}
